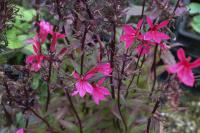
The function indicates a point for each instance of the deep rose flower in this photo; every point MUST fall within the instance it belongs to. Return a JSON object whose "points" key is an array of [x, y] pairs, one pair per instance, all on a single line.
{"points": [[55, 37], [82, 84], [45, 29], [99, 92], [131, 34], [35, 60], [153, 33], [184, 68]]}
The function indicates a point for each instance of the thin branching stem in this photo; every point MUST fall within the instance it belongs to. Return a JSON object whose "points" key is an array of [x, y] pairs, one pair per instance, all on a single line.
{"points": [[118, 94], [156, 106], [176, 6], [142, 62], [74, 110], [48, 86], [153, 69], [40, 117], [82, 57], [82, 49], [112, 54], [133, 76], [143, 6]]}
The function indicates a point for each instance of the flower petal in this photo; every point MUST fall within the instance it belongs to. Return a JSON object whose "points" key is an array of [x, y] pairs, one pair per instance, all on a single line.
{"points": [[139, 24], [128, 39], [174, 68], [74, 93], [104, 90], [30, 59], [163, 24], [83, 87], [181, 54], [75, 75], [88, 87], [100, 82], [128, 29], [79, 86], [158, 36], [196, 63], [186, 76], [149, 21], [148, 36]]}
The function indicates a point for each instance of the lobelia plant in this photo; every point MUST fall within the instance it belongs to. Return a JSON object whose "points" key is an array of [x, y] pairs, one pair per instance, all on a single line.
{"points": [[73, 59]]}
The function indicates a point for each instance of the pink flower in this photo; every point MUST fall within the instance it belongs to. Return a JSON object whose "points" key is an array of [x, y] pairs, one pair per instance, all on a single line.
{"points": [[103, 68], [153, 33], [35, 60], [184, 68], [131, 34], [20, 130], [45, 29], [82, 85], [143, 48], [99, 92], [55, 37]]}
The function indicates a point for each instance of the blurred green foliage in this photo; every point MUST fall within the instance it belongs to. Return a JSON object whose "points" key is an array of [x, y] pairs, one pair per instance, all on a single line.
{"points": [[194, 9], [20, 32]]}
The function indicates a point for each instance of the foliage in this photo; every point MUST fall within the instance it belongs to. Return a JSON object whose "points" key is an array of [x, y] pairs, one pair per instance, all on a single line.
{"points": [[20, 32], [194, 9], [93, 49], [7, 15]]}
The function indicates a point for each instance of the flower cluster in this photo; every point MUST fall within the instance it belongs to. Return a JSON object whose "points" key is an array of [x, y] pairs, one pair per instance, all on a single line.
{"points": [[97, 91], [152, 37], [38, 57], [155, 37]]}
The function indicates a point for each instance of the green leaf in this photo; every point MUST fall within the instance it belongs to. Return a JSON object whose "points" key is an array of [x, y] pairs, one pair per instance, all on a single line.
{"points": [[196, 23], [18, 35], [42, 93], [25, 14], [194, 8], [20, 119], [36, 81], [7, 54]]}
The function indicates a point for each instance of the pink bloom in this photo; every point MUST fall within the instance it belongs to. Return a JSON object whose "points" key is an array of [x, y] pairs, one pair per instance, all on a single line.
{"points": [[35, 60], [103, 68], [99, 92], [20, 130], [82, 85], [153, 33], [55, 37], [131, 34], [143, 48], [184, 68], [45, 29]]}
